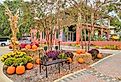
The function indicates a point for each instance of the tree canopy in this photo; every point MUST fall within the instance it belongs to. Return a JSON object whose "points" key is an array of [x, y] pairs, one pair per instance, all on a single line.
{"points": [[63, 12]]}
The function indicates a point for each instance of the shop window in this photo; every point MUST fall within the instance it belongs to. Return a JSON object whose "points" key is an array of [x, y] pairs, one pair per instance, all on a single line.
{"points": [[43, 35]]}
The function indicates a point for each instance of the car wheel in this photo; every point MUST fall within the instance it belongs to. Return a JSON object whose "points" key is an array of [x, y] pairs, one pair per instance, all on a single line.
{"points": [[3, 44]]}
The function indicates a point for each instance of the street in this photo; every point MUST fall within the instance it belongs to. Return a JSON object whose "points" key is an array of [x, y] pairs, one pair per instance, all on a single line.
{"points": [[4, 50]]}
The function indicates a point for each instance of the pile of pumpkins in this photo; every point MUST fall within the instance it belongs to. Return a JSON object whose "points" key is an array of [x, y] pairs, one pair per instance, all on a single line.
{"points": [[33, 47], [22, 68], [19, 69], [81, 60], [18, 62], [78, 52]]}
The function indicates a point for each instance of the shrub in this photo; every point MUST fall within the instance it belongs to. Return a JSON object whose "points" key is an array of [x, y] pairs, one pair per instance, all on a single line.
{"points": [[62, 56], [53, 54], [11, 54], [94, 53], [9, 61], [69, 54], [28, 58], [16, 59], [20, 61]]}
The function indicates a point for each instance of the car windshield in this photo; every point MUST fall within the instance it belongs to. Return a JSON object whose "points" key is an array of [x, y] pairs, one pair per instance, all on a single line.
{"points": [[4, 39], [24, 41]]}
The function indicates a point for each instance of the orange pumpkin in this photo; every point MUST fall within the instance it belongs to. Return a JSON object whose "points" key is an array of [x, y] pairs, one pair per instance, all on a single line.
{"points": [[20, 70], [10, 70], [78, 51], [29, 66], [34, 47], [28, 46], [100, 56], [77, 43], [38, 61], [69, 60], [80, 60], [81, 51]]}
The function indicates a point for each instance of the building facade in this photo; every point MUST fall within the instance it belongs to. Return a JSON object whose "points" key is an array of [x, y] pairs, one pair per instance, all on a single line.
{"points": [[71, 34]]}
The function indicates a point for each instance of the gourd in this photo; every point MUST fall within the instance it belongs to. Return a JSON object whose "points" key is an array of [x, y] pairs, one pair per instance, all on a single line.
{"points": [[28, 46], [11, 70], [69, 60], [20, 70], [34, 47], [80, 51], [29, 66], [38, 61], [100, 56], [81, 60]]}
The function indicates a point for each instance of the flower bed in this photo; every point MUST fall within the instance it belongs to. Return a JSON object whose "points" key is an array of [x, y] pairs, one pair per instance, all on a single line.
{"points": [[16, 62], [33, 75], [112, 47]]}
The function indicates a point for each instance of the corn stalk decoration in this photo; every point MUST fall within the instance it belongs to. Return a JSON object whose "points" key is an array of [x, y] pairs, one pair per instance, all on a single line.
{"points": [[13, 19]]}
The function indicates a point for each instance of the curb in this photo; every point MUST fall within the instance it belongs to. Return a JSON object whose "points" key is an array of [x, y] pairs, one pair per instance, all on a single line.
{"points": [[85, 68], [3, 77]]}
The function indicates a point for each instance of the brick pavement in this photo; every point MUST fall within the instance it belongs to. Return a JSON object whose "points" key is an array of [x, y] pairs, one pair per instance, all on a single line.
{"points": [[105, 71]]}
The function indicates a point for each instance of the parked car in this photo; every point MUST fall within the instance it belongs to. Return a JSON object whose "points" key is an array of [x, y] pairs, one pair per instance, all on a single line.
{"points": [[4, 41], [23, 43]]}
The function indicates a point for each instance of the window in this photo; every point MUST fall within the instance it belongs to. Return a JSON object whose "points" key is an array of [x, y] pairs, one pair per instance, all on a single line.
{"points": [[57, 34], [71, 36], [4, 39], [43, 35], [38, 35]]}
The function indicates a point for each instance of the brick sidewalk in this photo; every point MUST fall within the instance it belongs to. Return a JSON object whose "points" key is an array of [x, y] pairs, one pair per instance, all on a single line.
{"points": [[105, 71]]}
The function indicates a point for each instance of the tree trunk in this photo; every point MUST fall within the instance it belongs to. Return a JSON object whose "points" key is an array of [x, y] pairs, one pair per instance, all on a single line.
{"points": [[81, 39], [85, 39], [51, 38], [89, 39]]}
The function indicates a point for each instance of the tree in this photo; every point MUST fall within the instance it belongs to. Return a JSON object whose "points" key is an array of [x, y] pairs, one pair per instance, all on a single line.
{"points": [[25, 21]]}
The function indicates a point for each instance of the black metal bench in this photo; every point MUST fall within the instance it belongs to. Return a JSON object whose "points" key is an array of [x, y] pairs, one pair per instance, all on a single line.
{"points": [[46, 63]]}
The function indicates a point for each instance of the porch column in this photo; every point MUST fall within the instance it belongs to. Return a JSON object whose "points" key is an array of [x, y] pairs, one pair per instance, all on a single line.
{"points": [[31, 34], [60, 38], [35, 32], [61, 35], [108, 33], [77, 34], [101, 32]]}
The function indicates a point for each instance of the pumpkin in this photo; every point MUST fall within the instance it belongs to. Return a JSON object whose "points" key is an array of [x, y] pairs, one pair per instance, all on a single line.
{"points": [[20, 70], [38, 61], [69, 60], [28, 46], [11, 70], [77, 43], [100, 56], [80, 60], [78, 51], [29, 66], [81, 51], [34, 47]]}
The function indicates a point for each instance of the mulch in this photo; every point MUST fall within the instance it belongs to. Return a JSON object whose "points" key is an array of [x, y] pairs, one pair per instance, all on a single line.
{"points": [[34, 74]]}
